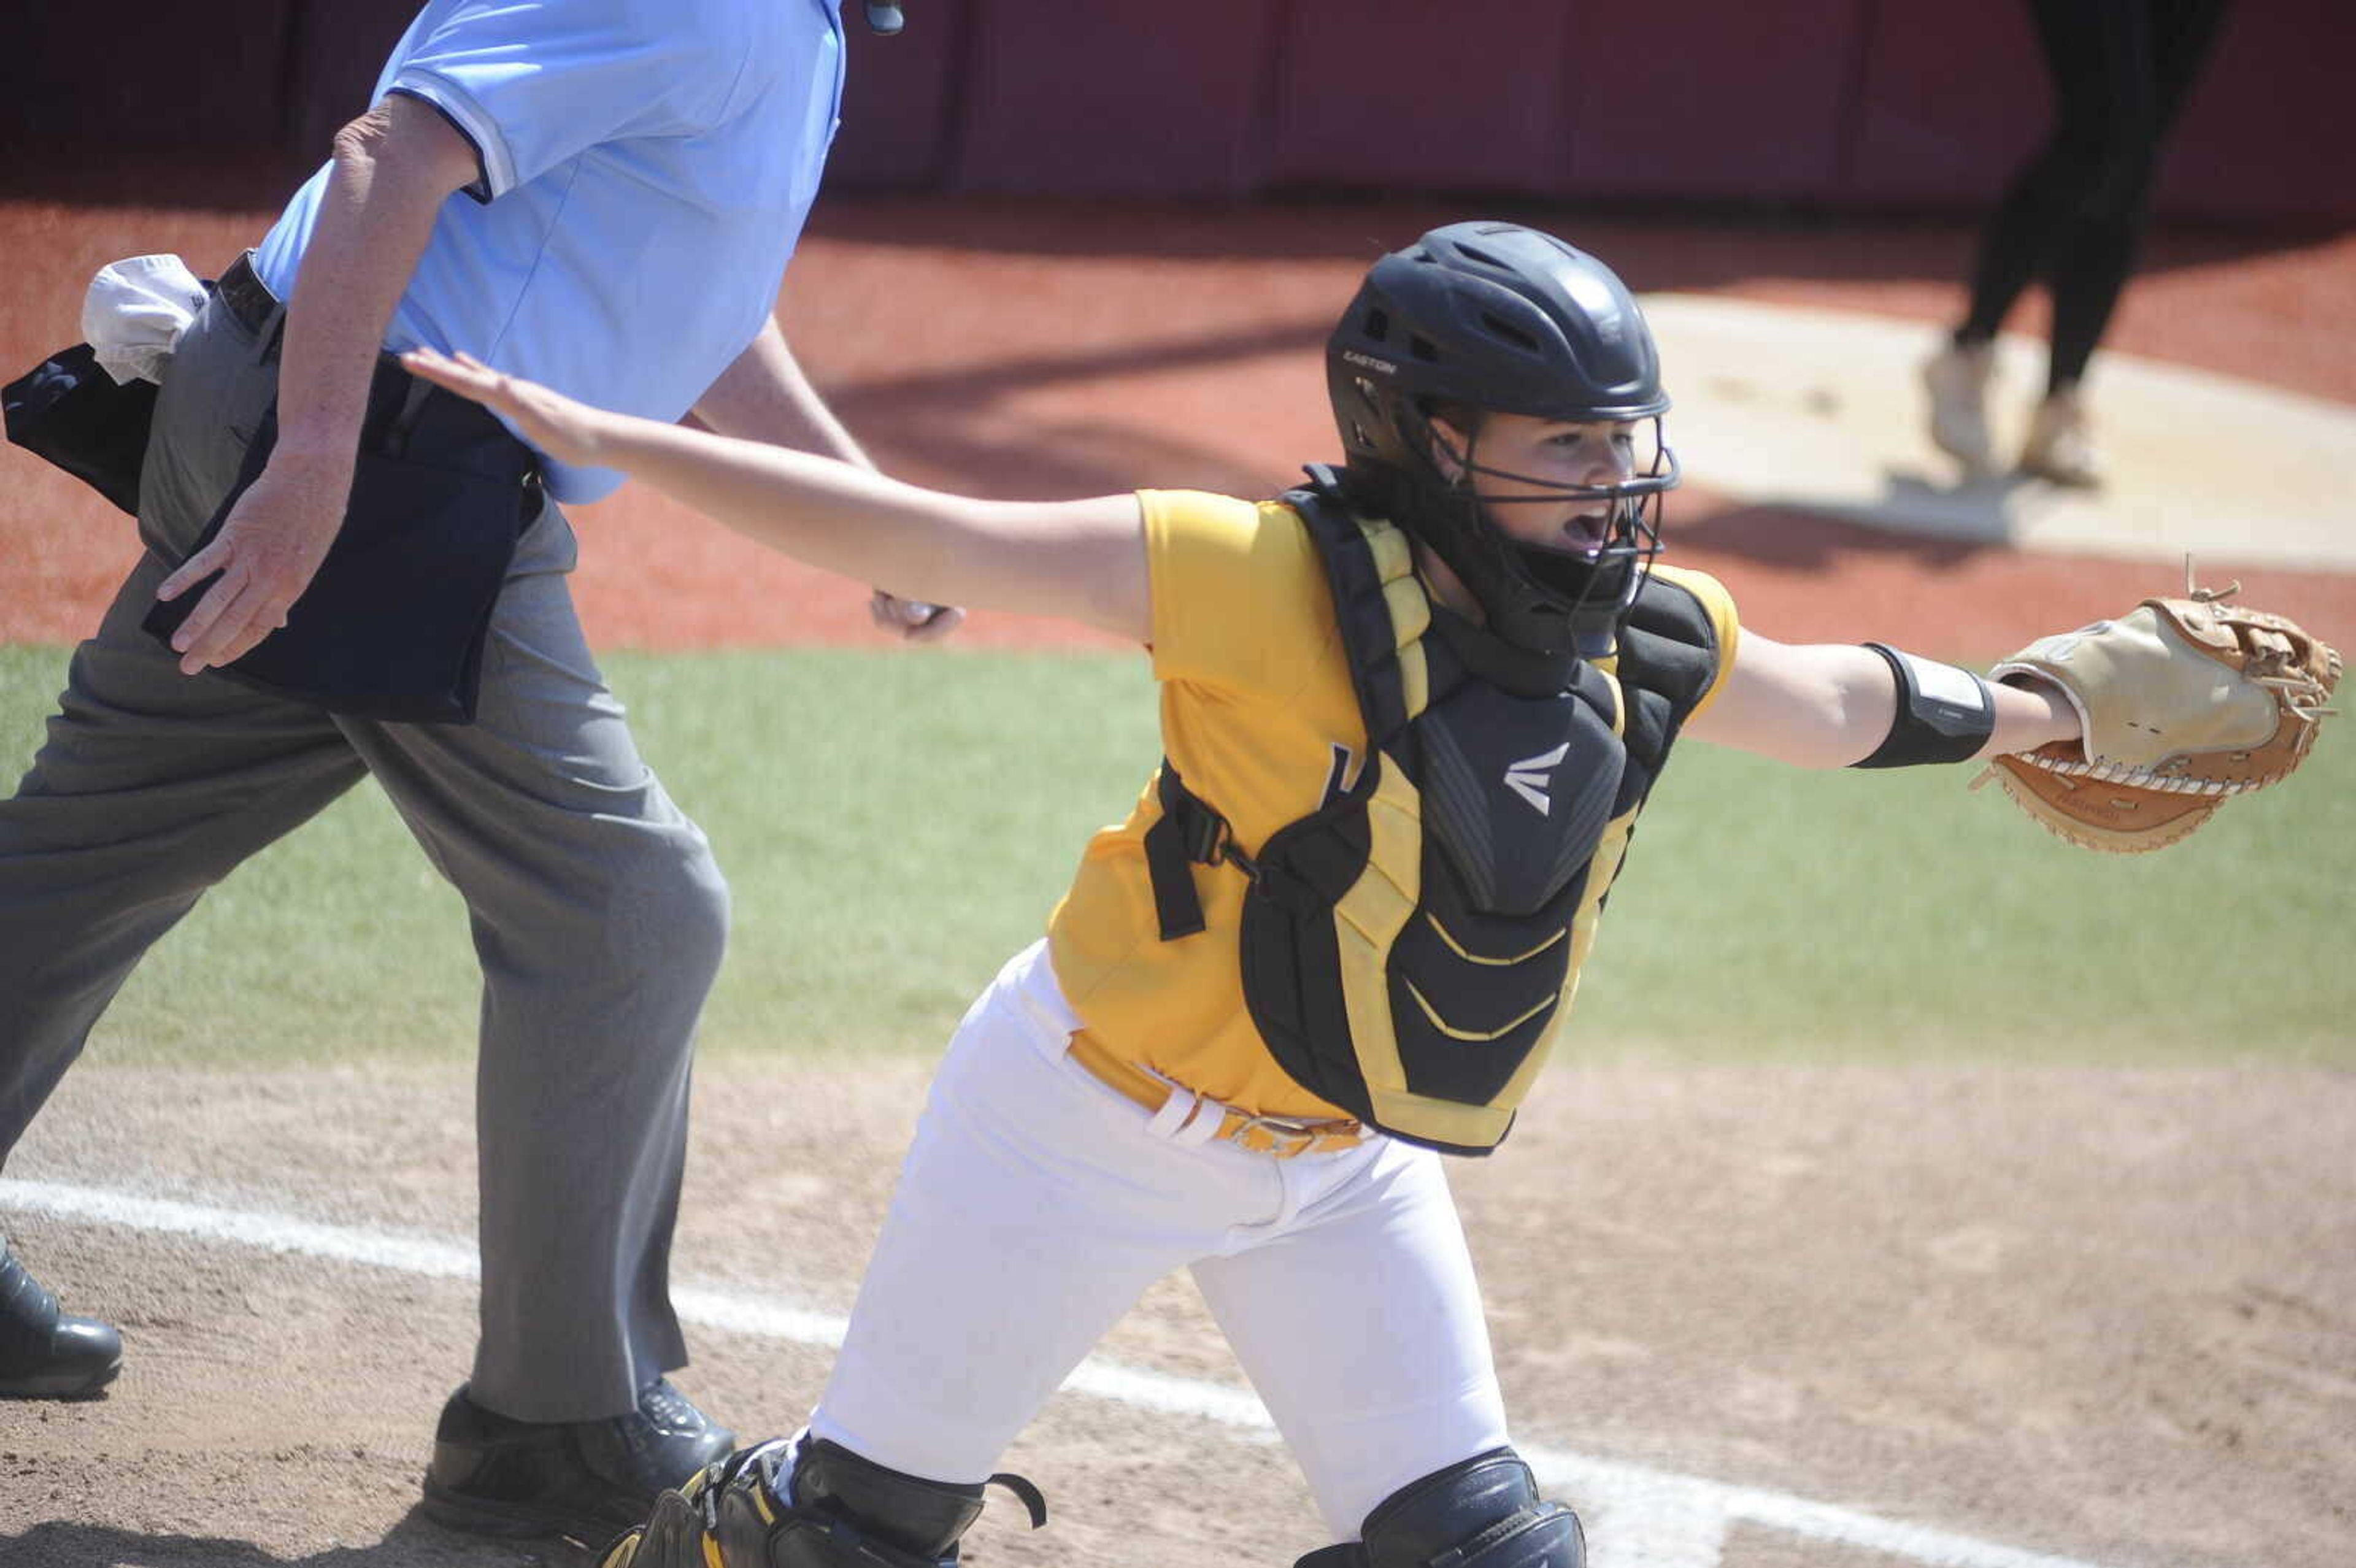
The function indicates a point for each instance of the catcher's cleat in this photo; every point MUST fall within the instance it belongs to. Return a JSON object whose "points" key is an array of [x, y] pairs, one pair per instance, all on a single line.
{"points": [[674, 1536], [1957, 380], [807, 1503], [46, 1354], [492, 1475]]}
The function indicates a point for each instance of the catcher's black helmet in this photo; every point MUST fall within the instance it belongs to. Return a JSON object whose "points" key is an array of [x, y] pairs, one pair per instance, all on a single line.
{"points": [[1493, 317]]}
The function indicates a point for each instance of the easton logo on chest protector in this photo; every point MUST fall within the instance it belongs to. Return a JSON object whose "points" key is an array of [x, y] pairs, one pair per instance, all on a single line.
{"points": [[1409, 948], [1528, 778]]}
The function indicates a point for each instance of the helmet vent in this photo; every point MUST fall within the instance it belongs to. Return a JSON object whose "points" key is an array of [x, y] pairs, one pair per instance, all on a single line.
{"points": [[1379, 325], [1475, 253], [1421, 348], [1500, 327]]}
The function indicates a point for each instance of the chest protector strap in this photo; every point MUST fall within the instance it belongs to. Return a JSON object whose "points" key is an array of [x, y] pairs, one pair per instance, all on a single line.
{"points": [[1409, 947]]}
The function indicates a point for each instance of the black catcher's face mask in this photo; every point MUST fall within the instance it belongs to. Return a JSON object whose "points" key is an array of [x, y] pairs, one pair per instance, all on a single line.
{"points": [[1568, 588], [1501, 319]]}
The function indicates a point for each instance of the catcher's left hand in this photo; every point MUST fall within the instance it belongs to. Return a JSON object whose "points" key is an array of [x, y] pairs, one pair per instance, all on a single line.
{"points": [[2183, 703]]}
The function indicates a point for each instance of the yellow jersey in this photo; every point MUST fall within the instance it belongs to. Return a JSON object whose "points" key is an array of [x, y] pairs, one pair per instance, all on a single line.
{"points": [[1258, 716]]}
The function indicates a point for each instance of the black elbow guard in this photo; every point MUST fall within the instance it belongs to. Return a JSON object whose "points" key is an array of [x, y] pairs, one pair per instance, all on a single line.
{"points": [[1945, 714]]}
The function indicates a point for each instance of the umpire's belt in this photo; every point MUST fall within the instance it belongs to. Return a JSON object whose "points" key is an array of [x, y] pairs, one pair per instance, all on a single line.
{"points": [[1282, 1137]]}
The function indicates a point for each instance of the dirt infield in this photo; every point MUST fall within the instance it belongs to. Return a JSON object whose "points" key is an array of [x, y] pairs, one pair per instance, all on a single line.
{"points": [[2098, 1315], [2012, 1318]]}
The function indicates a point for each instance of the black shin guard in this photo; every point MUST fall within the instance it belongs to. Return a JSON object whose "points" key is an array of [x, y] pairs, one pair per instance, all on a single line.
{"points": [[1482, 1513]]}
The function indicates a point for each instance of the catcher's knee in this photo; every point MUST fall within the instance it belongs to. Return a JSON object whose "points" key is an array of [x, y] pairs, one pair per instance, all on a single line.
{"points": [[815, 1504], [1482, 1513]]}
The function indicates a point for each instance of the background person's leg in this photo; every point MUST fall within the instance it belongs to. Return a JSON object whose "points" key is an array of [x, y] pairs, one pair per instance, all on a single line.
{"points": [[2098, 58], [2055, 222], [2154, 54]]}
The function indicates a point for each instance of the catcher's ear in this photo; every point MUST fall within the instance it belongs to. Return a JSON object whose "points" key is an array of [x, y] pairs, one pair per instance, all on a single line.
{"points": [[1449, 445]]}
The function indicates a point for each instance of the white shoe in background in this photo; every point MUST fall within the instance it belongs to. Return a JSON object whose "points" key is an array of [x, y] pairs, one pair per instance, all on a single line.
{"points": [[1957, 379], [2060, 445]]}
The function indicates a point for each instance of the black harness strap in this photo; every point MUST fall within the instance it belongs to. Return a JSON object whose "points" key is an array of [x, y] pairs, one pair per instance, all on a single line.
{"points": [[1361, 612], [1192, 832], [1189, 834]]}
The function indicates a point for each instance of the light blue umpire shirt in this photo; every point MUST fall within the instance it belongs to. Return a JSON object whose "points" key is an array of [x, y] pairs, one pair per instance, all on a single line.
{"points": [[647, 165]]}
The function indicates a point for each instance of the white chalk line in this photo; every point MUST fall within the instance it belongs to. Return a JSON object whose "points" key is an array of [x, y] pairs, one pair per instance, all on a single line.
{"points": [[1638, 1517]]}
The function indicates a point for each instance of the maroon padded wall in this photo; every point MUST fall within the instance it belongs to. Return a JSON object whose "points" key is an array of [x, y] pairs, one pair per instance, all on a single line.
{"points": [[2270, 129], [1400, 94], [1842, 105], [899, 99], [84, 79], [1111, 100], [1950, 98], [1954, 97], [336, 56], [1761, 114]]}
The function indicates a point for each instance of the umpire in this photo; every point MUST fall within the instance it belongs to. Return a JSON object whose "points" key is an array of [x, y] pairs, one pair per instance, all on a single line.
{"points": [[601, 195]]}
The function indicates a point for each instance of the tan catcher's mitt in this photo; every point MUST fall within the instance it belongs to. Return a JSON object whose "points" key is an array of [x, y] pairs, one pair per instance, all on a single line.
{"points": [[2184, 702]]}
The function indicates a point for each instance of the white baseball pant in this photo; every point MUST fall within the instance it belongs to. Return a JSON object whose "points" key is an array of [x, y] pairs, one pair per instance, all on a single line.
{"points": [[1036, 1205]]}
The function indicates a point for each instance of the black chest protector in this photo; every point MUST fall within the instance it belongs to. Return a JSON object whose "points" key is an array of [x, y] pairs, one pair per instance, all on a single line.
{"points": [[1409, 948]]}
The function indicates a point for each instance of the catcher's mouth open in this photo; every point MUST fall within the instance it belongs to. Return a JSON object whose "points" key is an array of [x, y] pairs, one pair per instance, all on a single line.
{"points": [[1586, 532]]}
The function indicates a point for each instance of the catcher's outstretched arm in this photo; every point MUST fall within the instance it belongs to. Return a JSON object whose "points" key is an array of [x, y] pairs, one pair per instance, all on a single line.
{"points": [[1077, 560], [1831, 705]]}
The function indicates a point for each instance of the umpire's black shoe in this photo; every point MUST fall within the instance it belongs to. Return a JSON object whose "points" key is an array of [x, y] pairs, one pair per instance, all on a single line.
{"points": [[44, 1353], [588, 1479]]}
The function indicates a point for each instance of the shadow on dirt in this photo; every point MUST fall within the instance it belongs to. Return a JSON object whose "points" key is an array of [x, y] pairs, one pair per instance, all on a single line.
{"points": [[415, 1542], [1941, 525]]}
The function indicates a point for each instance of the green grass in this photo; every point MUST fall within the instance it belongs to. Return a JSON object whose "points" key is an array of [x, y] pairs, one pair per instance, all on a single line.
{"points": [[893, 825]]}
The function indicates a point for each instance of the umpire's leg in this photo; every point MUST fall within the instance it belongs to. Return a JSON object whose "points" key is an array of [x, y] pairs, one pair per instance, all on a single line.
{"points": [[599, 915], [151, 787], [152, 784]]}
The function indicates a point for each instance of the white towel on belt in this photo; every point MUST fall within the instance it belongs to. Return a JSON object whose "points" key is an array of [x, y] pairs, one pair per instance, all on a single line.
{"points": [[135, 312]]}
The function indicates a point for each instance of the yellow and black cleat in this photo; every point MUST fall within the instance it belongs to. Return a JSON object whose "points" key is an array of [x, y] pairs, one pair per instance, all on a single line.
{"points": [[675, 1535]]}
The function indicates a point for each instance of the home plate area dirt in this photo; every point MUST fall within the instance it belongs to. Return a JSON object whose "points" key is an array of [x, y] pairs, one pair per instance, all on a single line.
{"points": [[2017, 1319]]}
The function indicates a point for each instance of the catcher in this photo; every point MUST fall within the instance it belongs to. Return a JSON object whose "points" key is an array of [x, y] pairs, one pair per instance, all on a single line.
{"points": [[1411, 711]]}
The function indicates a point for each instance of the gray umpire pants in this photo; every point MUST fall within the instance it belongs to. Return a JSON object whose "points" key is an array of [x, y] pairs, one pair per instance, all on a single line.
{"points": [[598, 911]]}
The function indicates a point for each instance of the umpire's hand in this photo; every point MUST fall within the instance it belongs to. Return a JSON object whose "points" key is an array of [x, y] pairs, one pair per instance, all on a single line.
{"points": [[266, 553]]}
